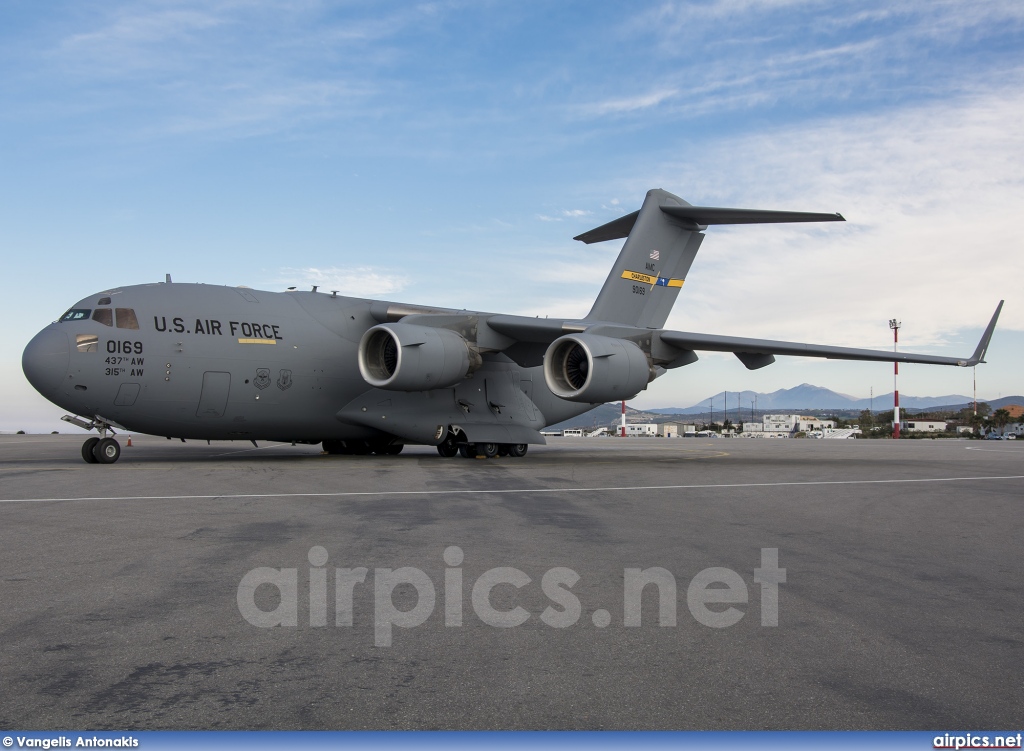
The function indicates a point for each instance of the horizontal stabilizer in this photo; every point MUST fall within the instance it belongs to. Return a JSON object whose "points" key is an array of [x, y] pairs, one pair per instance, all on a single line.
{"points": [[699, 217], [614, 230], [702, 216]]}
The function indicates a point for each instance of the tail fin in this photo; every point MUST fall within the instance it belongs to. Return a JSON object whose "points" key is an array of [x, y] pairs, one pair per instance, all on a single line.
{"points": [[662, 239]]}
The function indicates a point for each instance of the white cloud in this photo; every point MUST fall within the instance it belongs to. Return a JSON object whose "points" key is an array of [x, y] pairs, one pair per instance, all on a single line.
{"points": [[932, 196], [627, 104], [360, 281]]}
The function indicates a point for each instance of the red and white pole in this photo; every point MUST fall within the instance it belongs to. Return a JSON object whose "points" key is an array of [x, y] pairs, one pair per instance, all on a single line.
{"points": [[623, 433], [895, 326]]}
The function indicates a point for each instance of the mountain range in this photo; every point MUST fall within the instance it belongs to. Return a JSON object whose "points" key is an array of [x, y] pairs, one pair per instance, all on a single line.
{"points": [[809, 396], [806, 396]]}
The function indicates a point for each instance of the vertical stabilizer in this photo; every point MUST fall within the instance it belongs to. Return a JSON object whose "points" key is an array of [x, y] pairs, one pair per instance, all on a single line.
{"points": [[651, 267], [662, 239]]}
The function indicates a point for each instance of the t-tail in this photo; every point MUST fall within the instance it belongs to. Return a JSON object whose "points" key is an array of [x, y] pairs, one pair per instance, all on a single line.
{"points": [[662, 239]]}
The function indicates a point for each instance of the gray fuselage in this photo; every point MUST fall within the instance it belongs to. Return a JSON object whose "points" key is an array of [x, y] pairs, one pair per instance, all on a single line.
{"points": [[224, 363]]}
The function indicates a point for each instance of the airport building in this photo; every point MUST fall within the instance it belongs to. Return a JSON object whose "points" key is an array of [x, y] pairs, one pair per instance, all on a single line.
{"points": [[641, 430], [924, 426], [658, 430], [786, 426]]}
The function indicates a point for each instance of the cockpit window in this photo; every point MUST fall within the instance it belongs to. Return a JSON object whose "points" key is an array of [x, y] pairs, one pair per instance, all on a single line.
{"points": [[87, 343], [104, 316], [126, 319], [104, 301], [76, 314]]}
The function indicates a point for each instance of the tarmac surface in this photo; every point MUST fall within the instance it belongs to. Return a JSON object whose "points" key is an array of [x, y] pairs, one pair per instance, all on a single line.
{"points": [[902, 605]]}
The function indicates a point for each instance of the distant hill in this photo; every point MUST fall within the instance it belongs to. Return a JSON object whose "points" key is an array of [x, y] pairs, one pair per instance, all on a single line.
{"points": [[809, 396]]}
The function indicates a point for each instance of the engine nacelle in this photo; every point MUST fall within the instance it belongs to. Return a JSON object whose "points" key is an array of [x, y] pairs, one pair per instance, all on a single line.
{"points": [[590, 368], [408, 357]]}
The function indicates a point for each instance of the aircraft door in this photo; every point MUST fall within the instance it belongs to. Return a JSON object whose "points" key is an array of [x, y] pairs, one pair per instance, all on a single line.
{"points": [[525, 386], [213, 402]]}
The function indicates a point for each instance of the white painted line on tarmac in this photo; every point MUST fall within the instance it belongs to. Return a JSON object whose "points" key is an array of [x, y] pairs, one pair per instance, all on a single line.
{"points": [[996, 451], [506, 491]]}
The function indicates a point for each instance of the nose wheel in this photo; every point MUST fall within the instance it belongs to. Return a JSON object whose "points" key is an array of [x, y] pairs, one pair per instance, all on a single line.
{"points": [[101, 450], [87, 447]]}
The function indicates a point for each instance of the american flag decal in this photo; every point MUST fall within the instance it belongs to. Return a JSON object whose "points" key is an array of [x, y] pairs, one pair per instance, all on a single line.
{"points": [[655, 255]]}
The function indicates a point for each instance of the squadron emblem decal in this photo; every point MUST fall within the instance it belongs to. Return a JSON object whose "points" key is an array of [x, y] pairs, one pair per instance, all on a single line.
{"points": [[262, 379], [284, 380]]}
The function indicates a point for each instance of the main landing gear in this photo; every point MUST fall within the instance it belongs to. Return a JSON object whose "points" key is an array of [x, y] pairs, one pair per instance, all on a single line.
{"points": [[455, 443], [362, 448], [488, 450]]}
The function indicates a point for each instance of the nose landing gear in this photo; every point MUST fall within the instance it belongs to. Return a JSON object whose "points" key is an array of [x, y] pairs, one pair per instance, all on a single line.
{"points": [[107, 451], [102, 450]]}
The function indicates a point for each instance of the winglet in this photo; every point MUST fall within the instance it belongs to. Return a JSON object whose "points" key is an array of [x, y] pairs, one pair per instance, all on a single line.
{"points": [[979, 353]]}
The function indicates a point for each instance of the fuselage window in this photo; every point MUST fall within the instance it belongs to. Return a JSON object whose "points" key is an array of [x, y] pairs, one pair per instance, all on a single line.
{"points": [[87, 343], [76, 314], [104, 301], [104, 316], [126, 319]]}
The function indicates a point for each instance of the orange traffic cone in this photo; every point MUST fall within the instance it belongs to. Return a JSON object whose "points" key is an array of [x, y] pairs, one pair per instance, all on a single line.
{"points": [[129, 440]]}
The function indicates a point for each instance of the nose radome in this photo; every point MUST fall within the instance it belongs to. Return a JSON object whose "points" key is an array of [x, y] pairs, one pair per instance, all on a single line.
{"points": [[45, 360]]}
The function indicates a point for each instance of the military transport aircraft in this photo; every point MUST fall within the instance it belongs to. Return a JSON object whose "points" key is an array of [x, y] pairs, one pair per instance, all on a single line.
{"points": [[359, 376]]}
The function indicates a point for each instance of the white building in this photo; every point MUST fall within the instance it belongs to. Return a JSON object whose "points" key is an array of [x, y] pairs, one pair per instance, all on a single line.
{"points": [[815, 423], [780, 423], [641, 430], [668, 430], [790, 425], [924, 426]]}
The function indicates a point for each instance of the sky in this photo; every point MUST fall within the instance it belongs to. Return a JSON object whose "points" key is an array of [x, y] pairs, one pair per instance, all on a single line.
{"points": [[446, 153]]}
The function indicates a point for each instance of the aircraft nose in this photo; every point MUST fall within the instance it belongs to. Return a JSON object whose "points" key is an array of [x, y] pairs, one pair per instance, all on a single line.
{"points": [[45, 360]]}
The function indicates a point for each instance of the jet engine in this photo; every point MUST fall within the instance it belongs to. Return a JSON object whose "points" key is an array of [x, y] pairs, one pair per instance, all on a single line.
{"points": [[590, 368], [408, 357]]}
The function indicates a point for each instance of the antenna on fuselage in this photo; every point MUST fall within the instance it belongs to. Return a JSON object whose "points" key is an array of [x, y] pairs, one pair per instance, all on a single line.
{"points": [[167, 278]]}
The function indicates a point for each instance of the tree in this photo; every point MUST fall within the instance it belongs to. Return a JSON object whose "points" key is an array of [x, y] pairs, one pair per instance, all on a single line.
{"points": [[866, 420], [1001, 418]]}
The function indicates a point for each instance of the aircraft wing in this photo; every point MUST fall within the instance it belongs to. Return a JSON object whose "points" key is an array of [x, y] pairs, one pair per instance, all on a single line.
{"points": [[753, 353], [756, 353]]}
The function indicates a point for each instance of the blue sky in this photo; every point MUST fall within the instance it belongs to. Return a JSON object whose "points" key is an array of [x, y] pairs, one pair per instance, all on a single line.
{"points": [[446, 153]]}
